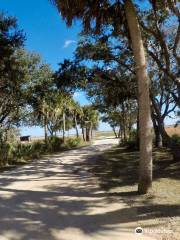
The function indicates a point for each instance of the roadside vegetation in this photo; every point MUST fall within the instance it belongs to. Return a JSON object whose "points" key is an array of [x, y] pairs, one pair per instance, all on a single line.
{"points": [[127, 62], [31, 94], [127, 88], [116, 172], [17, 153]]}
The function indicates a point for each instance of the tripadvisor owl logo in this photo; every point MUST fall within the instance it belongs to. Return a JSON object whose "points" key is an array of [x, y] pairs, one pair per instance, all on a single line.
{"points": [[139, 230]]}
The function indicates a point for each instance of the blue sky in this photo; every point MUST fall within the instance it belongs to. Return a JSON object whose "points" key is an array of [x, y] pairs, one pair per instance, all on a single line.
{"points": [[47, 34]]}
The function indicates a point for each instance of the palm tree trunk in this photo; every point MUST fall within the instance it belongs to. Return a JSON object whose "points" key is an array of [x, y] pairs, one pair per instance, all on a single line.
{"points": [[87, 134], [75, 121], [83, 134], [91, 131], [45, 129], [64, 126], [145, 169]]}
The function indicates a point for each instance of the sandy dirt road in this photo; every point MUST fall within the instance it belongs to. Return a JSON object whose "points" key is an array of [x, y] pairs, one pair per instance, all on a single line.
{"points": [[56, 198]]}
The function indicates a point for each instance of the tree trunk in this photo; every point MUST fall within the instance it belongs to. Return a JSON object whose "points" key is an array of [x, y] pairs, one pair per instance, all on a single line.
{"points": [[87, 134], [145, 168], [45, 129], [76, 127], [158, 137], [83, 134], [124, 123], [113, 128], [119, 133], [137, 134], [166, 140], [91, 133], [64, 126]]}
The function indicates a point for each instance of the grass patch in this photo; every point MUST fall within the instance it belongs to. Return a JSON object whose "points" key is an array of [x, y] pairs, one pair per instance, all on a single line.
{"points": [[117, 174]]}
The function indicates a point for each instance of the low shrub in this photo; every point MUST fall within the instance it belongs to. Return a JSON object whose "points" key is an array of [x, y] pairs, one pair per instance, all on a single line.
{"points": [[175, 147], [130, 144], [73, 142], [175, 139], [54, 144], [13, 153]]}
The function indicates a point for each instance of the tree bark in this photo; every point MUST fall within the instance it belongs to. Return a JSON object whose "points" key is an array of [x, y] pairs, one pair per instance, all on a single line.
{"points": [[87, 134], [45, 129], [145, 166], [137, 134], [158, 137], [76, 127], [119, 133], [83, 134], [124, 123], [113, 128], [91, 132], [64, 126], [166, 140]]}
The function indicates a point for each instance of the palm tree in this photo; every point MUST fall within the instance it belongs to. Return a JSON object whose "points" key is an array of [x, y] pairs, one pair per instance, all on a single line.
{"points": [[90, 120], [112, 12], [77, 113]]}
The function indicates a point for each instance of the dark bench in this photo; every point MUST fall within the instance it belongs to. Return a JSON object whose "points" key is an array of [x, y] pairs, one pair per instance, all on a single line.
{"points": [[25, 138]]}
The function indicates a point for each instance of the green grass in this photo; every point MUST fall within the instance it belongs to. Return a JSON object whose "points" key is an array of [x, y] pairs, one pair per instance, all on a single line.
{"points": [[117, 173]]}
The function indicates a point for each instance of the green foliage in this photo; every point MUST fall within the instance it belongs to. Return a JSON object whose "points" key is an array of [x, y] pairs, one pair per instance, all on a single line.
{"points": [[54, 144], [26, 151], [175, 140], [176, 147], [13, 153], [131, 142], [91, 115], [133, 135], [73, 142]]}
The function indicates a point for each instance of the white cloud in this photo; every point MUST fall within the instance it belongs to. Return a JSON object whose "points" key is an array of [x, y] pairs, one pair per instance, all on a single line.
{"points": [[76, 94], [67, 43]]}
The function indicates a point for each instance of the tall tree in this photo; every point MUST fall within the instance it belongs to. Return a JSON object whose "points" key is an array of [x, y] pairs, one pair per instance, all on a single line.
{"points": [[122, 15], [90, 121], [108, 12], [12, 73]]}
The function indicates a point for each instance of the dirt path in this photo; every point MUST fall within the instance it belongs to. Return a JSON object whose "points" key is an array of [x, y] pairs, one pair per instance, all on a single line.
{"points": [[57, 199]]}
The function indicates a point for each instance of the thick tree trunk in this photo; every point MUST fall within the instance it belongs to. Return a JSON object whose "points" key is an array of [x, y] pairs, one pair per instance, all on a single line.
{"points": [[158, 137], [64, 126], [145, 168], [76, 127], [88, 131], [87, 134], [166, 140], [137, 134]]}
